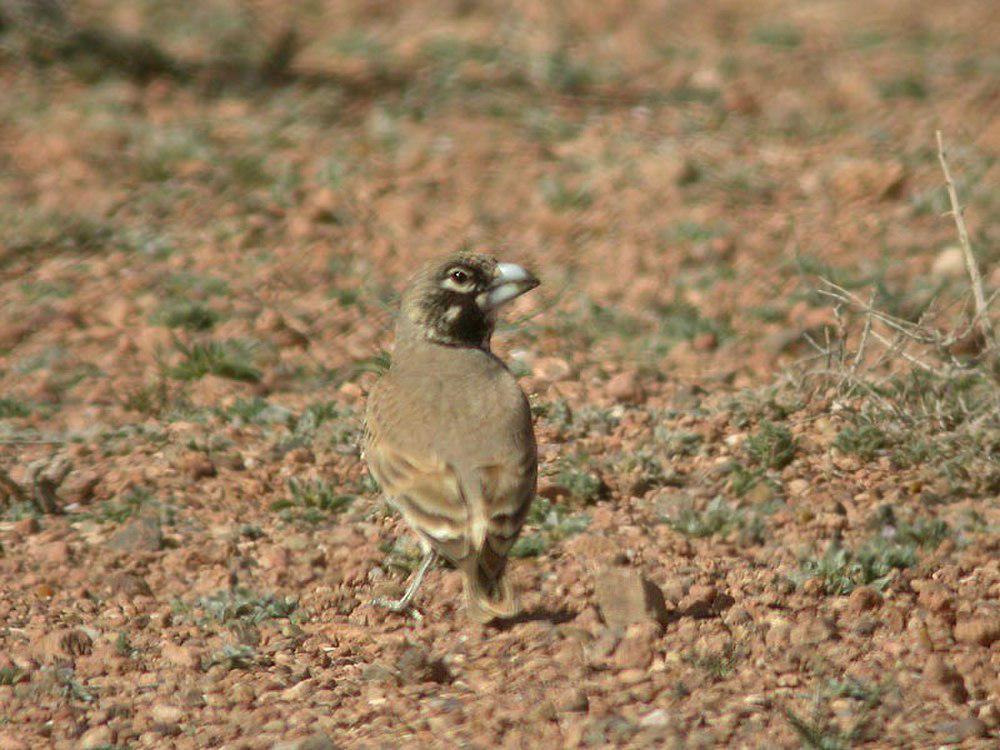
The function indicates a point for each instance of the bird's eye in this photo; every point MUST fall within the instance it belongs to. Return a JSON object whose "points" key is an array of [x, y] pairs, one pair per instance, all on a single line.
{"points": [[458, 276]]}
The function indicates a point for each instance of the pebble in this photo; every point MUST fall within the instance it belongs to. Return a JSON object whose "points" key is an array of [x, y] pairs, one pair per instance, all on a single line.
{"points": [[572, 700], [657, 718], [938, 672], [138, 535], [980, 631], [626, 387], [864, 598], [625, 597], [949, 263], [167, 714], [934, 596], [130, 585], [962, 729], [181, 656], [96, 737]]}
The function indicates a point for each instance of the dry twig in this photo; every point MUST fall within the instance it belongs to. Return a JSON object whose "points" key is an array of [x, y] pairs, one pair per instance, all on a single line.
{"points": [[971, 266]]}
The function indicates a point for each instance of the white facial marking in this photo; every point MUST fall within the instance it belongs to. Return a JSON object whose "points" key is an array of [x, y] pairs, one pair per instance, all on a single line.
{"points": [[458, 280]]}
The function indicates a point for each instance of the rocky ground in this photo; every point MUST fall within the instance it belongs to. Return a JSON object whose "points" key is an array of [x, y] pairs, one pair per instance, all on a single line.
{"points": [[742, 539]]}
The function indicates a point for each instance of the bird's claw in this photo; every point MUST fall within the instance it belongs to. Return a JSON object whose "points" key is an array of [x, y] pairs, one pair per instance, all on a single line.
{"points": [[397, 606]]}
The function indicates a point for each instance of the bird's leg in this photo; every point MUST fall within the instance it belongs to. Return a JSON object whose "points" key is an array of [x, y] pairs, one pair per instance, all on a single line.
{"points": [[402, 604]]}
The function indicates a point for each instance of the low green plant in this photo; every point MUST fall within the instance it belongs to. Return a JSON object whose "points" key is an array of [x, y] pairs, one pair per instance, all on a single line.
{"points": [[230, 358], [546, 524], [772, 446]]}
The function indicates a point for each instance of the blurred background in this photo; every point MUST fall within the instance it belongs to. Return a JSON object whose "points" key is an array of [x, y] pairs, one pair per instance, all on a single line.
{"points": [[674, 168], [207, 211]]}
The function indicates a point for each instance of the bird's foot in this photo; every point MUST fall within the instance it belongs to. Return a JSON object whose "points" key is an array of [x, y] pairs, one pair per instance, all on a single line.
{"points": [[403, 605]]}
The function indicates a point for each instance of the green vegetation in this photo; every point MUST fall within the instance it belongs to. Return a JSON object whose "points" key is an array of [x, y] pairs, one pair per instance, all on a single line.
{"points": [[13, 408], [866, 441], [719, 519], [584, 485], [231, 358], [780, 35], [547, 524], [312, 501], [186, 314], [233, 657], [772, 446], [229, 605], [893, 547], [124, 506]]}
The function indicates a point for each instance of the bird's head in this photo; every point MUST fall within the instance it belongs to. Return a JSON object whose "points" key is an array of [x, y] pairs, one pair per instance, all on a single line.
{"points": [[454, 301]]}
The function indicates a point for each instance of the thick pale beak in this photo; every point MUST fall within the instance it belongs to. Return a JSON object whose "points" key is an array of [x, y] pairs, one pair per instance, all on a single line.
{"points": [[511, 282]]}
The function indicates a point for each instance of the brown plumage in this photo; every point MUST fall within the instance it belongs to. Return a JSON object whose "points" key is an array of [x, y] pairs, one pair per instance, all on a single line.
{"points": [[448, 432]]}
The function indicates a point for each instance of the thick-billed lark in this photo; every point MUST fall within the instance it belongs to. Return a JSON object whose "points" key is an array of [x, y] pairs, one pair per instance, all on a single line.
{"points": [[448, 432]]}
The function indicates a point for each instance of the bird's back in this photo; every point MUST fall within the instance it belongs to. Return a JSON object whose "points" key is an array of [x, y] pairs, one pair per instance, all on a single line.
{"points": [[456, 420]]}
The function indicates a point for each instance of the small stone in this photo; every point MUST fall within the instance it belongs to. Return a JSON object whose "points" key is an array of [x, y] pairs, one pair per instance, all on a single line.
{"points": [[705, 342], [415, 665], [299, 690], [867, 179], [54, 553], [981, 631], [79, 487], [624, 597], [864, 598], [990, 715], [626, 388], [201, 467], [27, 526], [964, 729], [138, 535], [949, 263], [572, 700], [601, 648], [779, 634], [95, 737], [636, 650], [797, 487], [657, 718], [760, 493], [10, 742], [243, 693], [934, 596], [699, 601], [12, 334], [866, 626], [167, 714], [64, 643], [130, 585], [811, 631], [704, 601], [181, 656], [550, 369], [938, 672]]}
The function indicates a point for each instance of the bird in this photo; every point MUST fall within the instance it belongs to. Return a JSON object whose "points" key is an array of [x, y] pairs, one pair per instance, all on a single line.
{"points": [[448, 432]]}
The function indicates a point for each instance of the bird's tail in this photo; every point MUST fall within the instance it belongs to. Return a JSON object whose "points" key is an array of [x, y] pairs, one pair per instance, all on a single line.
{"points": [[488, 597]]}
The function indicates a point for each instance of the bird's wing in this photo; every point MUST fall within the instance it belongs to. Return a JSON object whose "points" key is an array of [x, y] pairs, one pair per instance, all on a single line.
{"points": [[428, 493], [508, 487]]}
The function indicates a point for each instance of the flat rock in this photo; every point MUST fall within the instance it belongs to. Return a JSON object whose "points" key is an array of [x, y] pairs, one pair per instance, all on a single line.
{"points": [[626, 597], [981, 630], [102, 736], [963, 729], [138, 535]]}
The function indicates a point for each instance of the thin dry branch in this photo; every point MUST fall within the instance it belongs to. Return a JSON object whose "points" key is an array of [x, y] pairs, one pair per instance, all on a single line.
{"points": [[963, 238]]}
